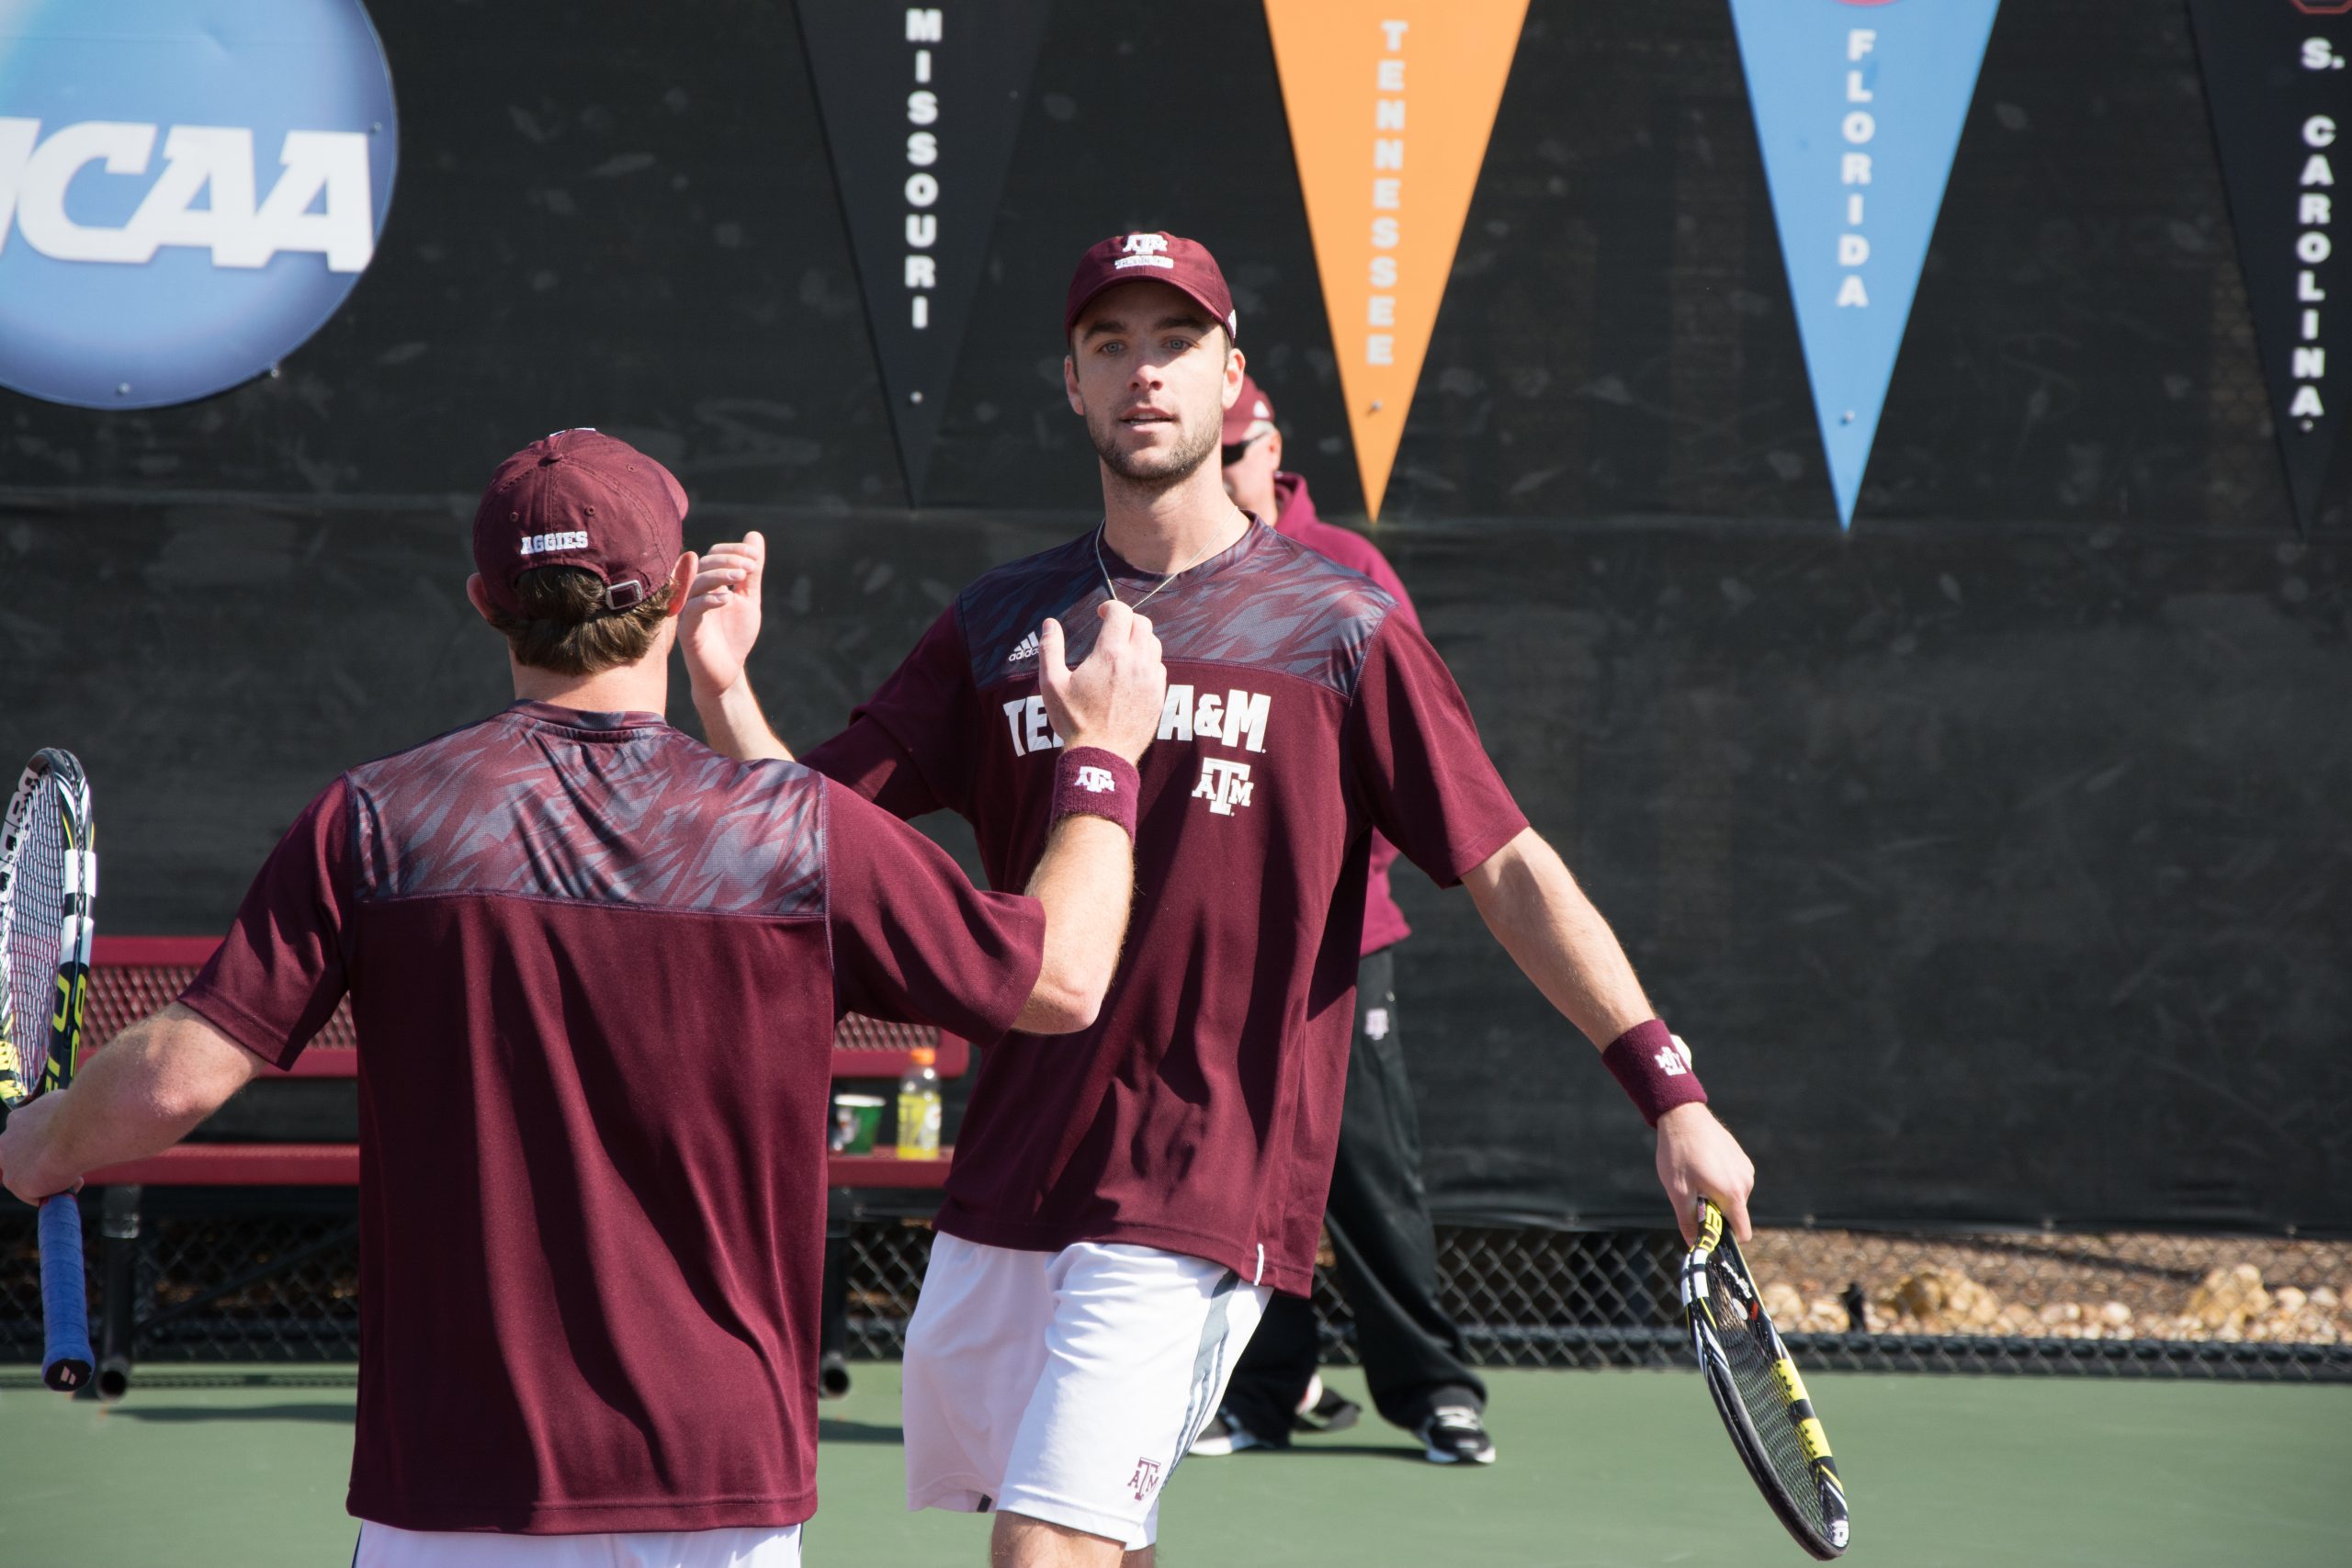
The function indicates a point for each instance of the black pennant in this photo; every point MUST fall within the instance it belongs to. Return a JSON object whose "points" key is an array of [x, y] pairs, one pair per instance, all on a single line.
{"points": [[2278, 81], [920, 105]]}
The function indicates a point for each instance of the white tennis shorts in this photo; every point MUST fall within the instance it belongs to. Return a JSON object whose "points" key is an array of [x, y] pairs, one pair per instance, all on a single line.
{"points": [[1067, 1385], [381, 1546]]}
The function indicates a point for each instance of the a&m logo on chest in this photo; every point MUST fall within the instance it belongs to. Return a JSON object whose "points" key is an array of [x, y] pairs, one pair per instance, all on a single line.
{"points": [[1222, 785], [1232, 717]]}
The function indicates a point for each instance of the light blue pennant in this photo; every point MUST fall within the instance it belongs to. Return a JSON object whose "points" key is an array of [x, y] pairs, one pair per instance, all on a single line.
{"points": [[1858, 107]]}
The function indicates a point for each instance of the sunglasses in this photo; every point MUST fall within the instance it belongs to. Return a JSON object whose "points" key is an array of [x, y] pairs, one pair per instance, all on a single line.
{"points": [[1236, 450]]}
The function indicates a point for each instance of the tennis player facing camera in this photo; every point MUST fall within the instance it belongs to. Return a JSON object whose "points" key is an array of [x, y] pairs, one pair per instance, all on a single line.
{"points": [[1124, 1201], [596, 968]]}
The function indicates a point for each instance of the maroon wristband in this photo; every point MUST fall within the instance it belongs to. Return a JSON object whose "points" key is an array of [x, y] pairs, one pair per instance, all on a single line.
{"points": [[1655, 1069], [1096, 783]]}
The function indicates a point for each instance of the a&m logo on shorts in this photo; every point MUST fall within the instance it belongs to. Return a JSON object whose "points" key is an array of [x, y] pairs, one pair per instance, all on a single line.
{"points": [[1146, 1479], [188, 189]]}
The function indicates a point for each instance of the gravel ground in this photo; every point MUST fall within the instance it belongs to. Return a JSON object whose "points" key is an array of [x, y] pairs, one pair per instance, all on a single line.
{"points": [[2106, 1286]]}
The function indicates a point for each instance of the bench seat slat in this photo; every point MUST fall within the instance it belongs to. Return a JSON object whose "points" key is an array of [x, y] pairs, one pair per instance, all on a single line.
{"points": [[337, 1165], [130, 977]]}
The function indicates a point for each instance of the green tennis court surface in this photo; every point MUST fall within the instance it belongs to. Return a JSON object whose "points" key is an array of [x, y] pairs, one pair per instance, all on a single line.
{"points": [[1598, 1468]]}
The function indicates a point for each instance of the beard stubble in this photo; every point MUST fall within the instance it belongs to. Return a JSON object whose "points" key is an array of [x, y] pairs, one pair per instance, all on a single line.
{"points": [[1151, 472]]}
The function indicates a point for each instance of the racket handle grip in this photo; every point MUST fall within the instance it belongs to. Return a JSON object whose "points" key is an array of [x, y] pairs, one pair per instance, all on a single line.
{"points": [[65, 1295]]}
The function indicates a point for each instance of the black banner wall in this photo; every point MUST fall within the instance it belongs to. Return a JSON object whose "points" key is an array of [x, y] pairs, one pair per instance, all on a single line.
{"points": [[2275, 77], [1991, 857], [922, 106]]}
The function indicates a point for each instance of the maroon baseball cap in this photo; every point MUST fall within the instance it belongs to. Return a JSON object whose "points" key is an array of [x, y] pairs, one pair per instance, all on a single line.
{"points": [[1252, 406], [580, 498], [1181, 263]]}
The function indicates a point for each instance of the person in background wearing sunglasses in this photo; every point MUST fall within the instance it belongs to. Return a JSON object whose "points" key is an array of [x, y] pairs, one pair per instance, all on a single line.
{"points": [[1378, 1213]]}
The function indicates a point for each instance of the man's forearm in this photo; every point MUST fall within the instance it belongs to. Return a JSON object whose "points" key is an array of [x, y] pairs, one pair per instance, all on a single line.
{"points": [[1086, 880], [144, 1092], [1551, 930], [734, 724]]}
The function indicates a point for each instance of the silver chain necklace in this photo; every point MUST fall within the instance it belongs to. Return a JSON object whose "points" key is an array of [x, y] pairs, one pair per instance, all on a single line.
{"points": [[1113, 590]]}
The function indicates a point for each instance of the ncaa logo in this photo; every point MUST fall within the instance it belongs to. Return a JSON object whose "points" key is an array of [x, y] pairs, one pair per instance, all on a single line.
{"points": [[188, 189]]}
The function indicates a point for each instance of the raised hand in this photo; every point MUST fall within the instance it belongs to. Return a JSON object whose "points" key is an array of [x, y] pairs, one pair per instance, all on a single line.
{"points": [[1112, 700], [721, 617]]}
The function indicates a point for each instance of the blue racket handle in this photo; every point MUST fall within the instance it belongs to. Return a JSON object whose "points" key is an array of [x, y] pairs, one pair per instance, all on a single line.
{"points": [[65, 1295]]}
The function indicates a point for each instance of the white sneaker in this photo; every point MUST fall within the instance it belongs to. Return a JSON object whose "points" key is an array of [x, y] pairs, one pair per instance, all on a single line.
{"points": [[1325, 1409], [1224, 1436], [1454, 1435]]}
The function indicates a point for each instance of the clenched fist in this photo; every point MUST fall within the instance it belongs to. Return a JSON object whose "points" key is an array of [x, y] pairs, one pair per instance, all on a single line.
{"points": [[1111, 699]]}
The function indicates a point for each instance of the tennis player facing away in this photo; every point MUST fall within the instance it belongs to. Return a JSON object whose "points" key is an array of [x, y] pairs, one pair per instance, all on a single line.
{"points": [[1121, 1204], [596, 968]]}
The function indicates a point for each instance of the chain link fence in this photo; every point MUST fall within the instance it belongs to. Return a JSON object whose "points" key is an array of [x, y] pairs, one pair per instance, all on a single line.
{"points": [[216, 1275], [1535, 1296], [272, 1276]]}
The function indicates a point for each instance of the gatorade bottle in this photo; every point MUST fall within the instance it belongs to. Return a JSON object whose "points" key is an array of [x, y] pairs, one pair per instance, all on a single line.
{"points": [[919, 1107]]}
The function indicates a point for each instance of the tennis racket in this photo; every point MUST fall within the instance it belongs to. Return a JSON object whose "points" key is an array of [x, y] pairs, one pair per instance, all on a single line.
{"points": [[1758, 1391], [49, 878]]}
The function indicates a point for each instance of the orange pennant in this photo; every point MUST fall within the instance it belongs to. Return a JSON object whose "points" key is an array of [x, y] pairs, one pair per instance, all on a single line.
{"points": [[1390, 105]]}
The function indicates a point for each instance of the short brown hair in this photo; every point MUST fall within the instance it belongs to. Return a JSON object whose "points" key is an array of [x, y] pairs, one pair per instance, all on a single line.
{"points": [[567, 627]]}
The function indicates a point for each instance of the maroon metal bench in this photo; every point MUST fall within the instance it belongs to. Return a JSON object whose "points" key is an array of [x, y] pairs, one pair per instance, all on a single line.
{"points": [[132, 977]]}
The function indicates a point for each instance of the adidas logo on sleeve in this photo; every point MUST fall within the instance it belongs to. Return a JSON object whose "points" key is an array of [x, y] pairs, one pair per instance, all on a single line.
{"points": [[1027, 649]]}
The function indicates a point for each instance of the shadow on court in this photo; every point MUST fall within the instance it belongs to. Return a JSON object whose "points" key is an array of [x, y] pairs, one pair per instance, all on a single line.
{"points": [[832, 1431], [1314, 1447], [339, 1414]]}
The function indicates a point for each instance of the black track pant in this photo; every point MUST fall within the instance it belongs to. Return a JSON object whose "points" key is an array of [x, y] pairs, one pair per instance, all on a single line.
{"points": [[1379, 1221]]}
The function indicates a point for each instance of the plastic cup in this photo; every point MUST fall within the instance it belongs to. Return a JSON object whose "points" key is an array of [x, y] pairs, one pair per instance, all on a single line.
{"points": [[857, 1118]]}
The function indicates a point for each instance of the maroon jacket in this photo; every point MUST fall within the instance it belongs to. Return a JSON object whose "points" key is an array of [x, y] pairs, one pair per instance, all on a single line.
{"points": [[1384, 922]]}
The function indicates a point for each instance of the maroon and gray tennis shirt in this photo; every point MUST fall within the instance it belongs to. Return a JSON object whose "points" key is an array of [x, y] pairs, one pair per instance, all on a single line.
{"points": [[596, 969], [1200, 1112]]}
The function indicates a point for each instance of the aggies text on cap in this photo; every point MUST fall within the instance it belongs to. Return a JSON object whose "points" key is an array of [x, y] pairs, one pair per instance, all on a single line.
{"points": [[1181, 263], [580, 498]]}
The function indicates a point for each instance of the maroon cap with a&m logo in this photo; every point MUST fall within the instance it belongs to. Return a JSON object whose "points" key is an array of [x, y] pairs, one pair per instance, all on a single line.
{"points": [[1181, 263]]}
